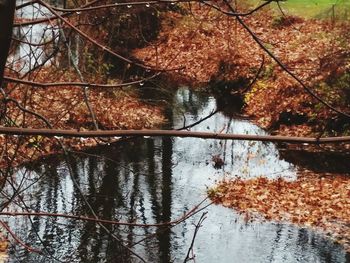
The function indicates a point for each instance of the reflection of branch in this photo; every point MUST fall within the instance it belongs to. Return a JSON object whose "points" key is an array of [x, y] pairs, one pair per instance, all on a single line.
{"points": [[16, 190], [10, 161], [15, 237], [186, 127], [197, 226], [43, 243], [113, 161], [170, 133], [105, 221], [160, 230]]}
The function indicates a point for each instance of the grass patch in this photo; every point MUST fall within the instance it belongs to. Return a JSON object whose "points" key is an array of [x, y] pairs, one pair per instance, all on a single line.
{"points": [[313, 8]]}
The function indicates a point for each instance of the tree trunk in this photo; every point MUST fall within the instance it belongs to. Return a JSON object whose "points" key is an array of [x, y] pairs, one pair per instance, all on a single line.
{"points": [[7, 10]]}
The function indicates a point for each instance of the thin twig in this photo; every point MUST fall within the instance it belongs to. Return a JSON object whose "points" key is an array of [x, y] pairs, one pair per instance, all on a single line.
{"points": [[197, 227]]}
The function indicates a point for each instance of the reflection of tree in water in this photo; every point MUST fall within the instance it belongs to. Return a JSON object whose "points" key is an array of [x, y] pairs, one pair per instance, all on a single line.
{"points": [[116, 191], [321, 162], [190, 102], [164, 239], [104, 198]]}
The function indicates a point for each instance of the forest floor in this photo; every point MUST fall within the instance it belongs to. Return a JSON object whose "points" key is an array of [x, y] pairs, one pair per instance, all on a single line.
{"points": [[208, 46], [66, 108]]}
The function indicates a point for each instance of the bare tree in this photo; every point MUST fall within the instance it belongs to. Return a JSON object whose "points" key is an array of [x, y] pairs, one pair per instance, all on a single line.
{"points": [[7, 9]]}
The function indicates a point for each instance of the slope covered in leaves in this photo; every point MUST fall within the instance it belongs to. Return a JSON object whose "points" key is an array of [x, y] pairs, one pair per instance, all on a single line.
{"points": [[205, 45]]}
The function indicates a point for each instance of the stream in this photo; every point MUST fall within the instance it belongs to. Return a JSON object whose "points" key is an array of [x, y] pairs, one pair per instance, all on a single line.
{"points": [[154, 180]]}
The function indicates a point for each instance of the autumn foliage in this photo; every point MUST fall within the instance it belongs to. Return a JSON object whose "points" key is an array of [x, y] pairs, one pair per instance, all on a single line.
{"points": [[206, 45]]}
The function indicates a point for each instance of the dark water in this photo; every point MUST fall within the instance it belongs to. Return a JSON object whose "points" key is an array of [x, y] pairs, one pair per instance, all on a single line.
{"points": [[322, 162], [154, 180]]}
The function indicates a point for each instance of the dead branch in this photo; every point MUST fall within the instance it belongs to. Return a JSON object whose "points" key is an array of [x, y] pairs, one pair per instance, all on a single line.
{"points": [[171, 133], [77, 84]]}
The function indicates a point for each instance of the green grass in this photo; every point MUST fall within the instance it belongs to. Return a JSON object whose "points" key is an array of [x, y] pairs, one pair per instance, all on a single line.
{"points": [[313, 8]]}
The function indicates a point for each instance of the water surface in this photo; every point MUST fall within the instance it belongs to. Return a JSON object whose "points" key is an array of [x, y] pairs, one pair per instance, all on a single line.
{"points": [[154, 180]]}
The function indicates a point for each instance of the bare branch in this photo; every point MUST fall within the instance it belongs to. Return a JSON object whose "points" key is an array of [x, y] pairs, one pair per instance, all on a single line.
{"points": [[78, 84], [197, 227], [171, 133], [16, 238]]}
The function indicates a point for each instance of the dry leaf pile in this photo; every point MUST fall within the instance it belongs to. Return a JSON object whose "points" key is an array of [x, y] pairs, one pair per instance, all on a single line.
{"points": [[321, 202]]}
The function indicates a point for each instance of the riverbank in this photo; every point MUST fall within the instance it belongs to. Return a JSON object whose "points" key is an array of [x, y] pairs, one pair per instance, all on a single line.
{"points": [[208, 46], [66, 108], [317, 201]]}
